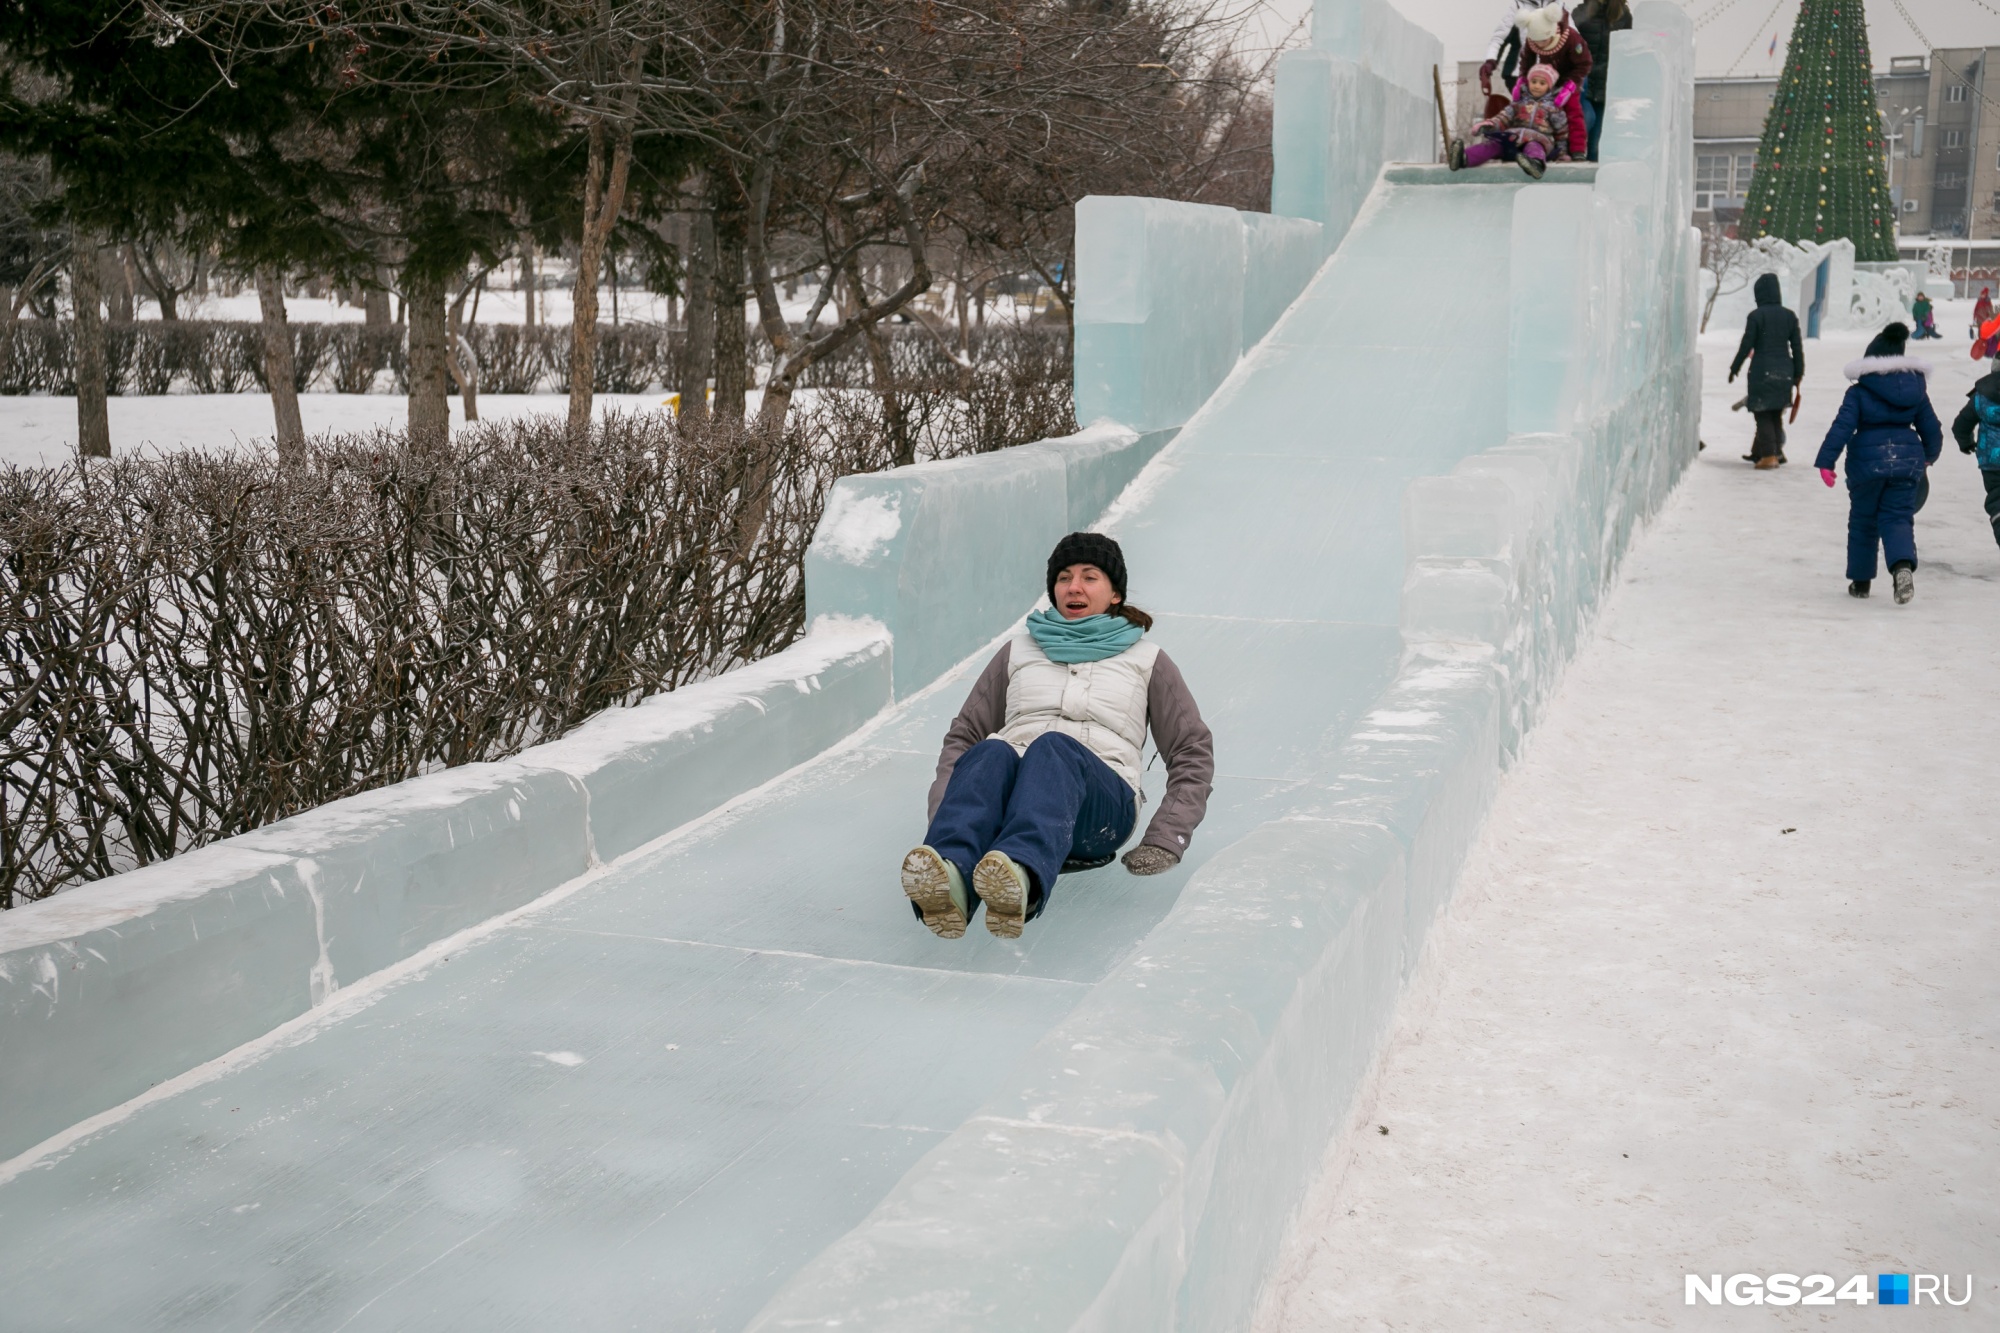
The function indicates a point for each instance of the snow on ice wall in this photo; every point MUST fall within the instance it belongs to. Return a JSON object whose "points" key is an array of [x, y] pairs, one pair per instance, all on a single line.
{"points": [[943, 553], [114, 986], [1142, 1171]]}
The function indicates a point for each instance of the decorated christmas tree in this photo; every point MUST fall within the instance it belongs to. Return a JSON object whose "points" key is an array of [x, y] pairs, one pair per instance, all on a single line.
{"points": [[1820, 169]]}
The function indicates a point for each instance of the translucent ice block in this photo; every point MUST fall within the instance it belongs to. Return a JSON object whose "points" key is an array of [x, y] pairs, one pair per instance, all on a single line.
{"points": [[1360, 96]]}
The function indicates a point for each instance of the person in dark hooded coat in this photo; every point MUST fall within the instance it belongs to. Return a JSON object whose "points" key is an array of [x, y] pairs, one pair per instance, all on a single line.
{"points": [[1777, 364], [1891, 437]]}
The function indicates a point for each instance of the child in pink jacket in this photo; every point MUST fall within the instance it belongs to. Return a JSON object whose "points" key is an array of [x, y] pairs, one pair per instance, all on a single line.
{"points": [[1532, 131]]}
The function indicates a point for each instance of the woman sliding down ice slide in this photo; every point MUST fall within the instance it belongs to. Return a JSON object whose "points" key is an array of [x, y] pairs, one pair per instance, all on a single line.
{"points": [[1040, 770]]}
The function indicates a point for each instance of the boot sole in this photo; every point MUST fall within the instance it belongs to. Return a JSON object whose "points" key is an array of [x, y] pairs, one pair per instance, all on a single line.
{"points": [[928, 885], [1006, 901]]}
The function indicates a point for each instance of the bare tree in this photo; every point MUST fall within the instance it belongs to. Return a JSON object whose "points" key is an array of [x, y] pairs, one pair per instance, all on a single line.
{"points": [[592, 68], [166, 272], [1168, 110], [93, 421], [853, 129], [278, 365], [1728, 262]]}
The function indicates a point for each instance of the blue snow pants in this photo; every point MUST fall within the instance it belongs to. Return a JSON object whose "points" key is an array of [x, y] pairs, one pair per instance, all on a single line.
{"points": [[1881, 510], [1041, 808]]}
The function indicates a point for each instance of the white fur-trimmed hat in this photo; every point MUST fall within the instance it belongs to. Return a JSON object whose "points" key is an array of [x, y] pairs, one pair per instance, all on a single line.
{"points": [[1540, 25]]}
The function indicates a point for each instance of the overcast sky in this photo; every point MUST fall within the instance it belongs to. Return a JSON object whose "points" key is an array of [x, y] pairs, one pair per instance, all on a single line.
{"points": [[1734, 41]]}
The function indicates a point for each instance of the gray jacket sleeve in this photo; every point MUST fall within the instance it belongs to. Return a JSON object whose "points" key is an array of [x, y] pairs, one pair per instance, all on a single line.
{"points": [[1184, 741], [985, 712]]}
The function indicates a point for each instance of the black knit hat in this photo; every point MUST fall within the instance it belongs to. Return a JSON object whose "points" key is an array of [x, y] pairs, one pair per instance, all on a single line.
{"points": [[1088, 548], [1890, 341]]}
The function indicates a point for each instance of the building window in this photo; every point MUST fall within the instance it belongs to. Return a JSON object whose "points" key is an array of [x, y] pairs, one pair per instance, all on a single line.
{"points": [[1955, 93], [1954, 139], [1745, 164], [1711, 179], [1951, 180]]}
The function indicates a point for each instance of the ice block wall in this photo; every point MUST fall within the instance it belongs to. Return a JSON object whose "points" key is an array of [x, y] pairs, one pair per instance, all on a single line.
{"points": [[1169, 295], [947, 554], [1359, 96]]}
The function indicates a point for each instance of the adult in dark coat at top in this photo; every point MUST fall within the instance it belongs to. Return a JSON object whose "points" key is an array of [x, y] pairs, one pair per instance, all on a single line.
{"points": [[1777, 364], [1595, 21], [1891, 436]]}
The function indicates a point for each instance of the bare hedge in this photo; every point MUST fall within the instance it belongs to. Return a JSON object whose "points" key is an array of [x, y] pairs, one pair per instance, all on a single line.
{"points": [[196, 645]]}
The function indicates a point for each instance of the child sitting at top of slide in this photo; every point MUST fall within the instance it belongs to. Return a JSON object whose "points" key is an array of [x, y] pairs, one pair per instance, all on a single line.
{"points": [[1532, 130]]}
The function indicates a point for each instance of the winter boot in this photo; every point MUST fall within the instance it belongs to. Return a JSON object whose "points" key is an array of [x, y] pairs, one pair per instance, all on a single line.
{"points": [[1455, 159], [937, 893], [1003, 887], [1906, 583], [1858, 588], [1533, 165]]}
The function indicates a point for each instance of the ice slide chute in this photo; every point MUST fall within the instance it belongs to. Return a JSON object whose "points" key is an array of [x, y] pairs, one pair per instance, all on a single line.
{"points": [[729, 1083]]}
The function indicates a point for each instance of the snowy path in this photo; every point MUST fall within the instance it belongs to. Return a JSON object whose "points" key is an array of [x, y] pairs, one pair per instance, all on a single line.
{"points": [[1720, 992]]}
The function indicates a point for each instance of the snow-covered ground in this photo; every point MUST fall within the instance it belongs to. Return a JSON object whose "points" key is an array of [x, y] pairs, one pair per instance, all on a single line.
{"points": [[552, 306], [1720, 989], [42, 431]]}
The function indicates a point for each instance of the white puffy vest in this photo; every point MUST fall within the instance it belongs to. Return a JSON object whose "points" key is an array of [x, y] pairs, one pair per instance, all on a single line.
{"points": [[1102, 704]]}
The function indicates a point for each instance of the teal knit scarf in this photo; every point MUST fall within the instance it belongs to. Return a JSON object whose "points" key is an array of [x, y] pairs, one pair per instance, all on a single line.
{"points": [[1091, 639]]}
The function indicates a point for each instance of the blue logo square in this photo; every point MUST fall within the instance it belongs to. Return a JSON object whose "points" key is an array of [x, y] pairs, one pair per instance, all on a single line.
{"points": [[1892, 1289]]}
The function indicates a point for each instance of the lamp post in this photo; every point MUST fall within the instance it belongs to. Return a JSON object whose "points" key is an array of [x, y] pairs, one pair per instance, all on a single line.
{"points": [[1895, 136]]}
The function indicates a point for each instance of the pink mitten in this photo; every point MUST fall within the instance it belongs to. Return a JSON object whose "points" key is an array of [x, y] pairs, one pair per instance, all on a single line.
{"points": [[1826, 475]]}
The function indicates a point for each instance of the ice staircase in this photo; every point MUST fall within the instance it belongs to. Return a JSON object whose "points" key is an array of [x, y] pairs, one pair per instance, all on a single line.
{"points": [[729, 1083]]}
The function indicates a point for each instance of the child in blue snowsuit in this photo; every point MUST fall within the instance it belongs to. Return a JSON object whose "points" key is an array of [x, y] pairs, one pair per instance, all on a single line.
{"points": [[1891, 437], [1977, 430]]}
